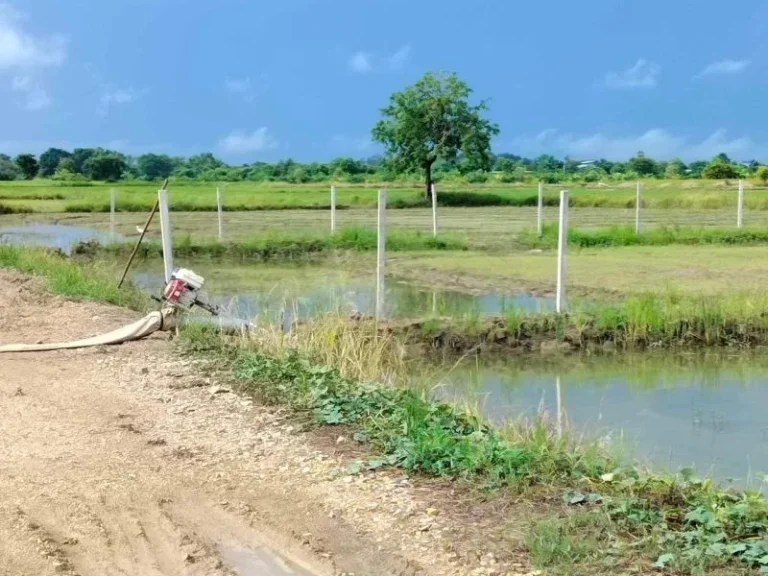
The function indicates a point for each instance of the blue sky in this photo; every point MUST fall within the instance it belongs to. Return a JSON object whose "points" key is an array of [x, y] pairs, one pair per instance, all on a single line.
{"points": [[306, 78]]}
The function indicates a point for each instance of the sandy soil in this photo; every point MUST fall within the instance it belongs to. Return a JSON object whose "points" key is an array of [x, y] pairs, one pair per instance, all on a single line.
{"points": [[131, 460]]}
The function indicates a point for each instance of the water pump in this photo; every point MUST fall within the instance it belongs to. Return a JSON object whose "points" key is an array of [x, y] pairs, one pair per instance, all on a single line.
{"points": [[184, 291]]}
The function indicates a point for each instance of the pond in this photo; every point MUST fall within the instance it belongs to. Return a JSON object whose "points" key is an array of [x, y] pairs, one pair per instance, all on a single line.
{"points": [[671, 411]]}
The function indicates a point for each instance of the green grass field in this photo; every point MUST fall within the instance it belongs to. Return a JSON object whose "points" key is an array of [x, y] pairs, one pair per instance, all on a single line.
{"points": [[51, 196]]}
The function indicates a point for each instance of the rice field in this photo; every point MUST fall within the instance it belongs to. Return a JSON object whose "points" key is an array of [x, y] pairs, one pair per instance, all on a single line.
{"points": [[51, 196]]}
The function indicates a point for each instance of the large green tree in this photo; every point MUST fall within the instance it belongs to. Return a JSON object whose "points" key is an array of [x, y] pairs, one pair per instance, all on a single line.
{"points": [[49, 161], [434, 120], [28, 165], [105, 166], [155, 166]]}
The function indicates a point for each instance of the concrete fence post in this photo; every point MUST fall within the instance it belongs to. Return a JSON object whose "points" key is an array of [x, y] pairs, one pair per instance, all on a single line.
{"points": [[638, 204], [434, 211], [381, 253], [740, 208], [562, 253], [112, 208], [333, 209], [540, 211], [220, 210], [165, 230]]}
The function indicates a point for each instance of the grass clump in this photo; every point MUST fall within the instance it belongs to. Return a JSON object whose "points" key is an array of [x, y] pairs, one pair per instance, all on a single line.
{"points": [[663, 236], [62, 277]]}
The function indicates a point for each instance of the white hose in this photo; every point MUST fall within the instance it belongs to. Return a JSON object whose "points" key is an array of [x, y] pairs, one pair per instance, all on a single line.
{"points": [[164, 320]]}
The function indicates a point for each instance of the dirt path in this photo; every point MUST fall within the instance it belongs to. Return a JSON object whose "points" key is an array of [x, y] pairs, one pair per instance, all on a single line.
{"points": [[130, 461]]}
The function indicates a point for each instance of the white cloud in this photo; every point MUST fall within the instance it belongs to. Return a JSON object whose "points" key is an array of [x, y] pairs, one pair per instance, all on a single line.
{"points": [[245, 88], [643, 74], [111, 96], [240, 142], [35, 96], [361, 62], [348, 144], [724, 67], [21, 50], [657, 143], [400, 58]]}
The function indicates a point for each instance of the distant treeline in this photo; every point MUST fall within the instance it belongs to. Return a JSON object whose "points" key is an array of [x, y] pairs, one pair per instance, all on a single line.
{"points": [[109, 165]]}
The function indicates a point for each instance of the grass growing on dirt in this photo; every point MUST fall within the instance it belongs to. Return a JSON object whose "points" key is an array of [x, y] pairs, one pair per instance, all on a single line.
{"points": [[612, 517], [662, 236], [643, 321], [79, 282], [289, 246]]}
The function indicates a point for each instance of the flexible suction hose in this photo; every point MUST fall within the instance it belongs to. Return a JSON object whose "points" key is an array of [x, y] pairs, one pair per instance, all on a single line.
{"points": [[163, 320]]}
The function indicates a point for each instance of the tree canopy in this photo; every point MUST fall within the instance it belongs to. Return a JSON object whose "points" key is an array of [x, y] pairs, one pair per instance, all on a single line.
{"points": [[28, 165], [434, 120]]}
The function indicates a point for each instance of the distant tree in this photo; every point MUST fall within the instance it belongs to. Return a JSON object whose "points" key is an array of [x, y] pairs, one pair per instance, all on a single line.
{"points": [[696, 169], [433, 119], [155, 166], [28, 165], [642, 164], [720, 169], [49, 161], [723, 157], [204, 162], [9, 170], [66, 164], [675, 169], [105, 166], [80, 156], [762, 174]]}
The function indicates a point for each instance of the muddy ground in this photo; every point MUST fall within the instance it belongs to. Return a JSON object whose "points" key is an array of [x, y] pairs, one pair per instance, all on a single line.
{"points": [[133, 460]]}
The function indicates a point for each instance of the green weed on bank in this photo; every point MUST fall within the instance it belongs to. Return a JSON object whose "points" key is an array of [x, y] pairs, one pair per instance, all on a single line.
{"points": [[287, 246], [612, 517], [79, 282], [626, 236]]}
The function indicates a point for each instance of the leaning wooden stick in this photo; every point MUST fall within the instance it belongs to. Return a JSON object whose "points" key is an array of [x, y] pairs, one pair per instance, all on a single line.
{"points": [[143, 232]]}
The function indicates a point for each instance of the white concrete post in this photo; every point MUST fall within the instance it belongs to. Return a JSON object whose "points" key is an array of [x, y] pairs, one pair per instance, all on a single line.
{"points": [[333, 209], [638, 202], [112, 203], [740, 209], [562, 253], [381, 254], [165, 230], [434, 211], [220, 210], [559, 395], [540, 215]]}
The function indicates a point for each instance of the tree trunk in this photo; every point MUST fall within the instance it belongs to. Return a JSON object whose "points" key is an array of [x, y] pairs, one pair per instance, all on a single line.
{"points": [[428, 194]]}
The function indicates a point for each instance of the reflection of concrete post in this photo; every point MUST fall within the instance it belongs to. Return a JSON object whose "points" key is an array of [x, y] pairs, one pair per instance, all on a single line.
{"points": [[559, 427], [381, 253]]}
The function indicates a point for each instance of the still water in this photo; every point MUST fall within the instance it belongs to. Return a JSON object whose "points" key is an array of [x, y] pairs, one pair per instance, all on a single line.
{"points": [[671, 411]]}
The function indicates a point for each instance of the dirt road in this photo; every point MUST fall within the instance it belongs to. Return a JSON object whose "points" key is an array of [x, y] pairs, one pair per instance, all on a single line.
{"points": [[130, 460]]}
